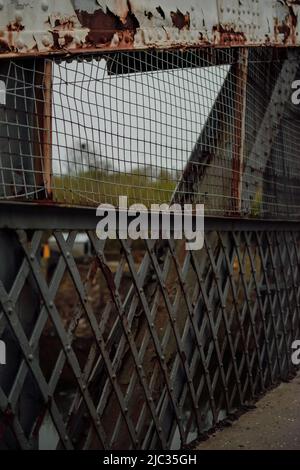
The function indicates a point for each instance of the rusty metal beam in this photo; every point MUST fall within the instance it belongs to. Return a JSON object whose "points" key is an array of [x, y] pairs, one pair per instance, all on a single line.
{"points": [[42, 138], [239, 137], [34, 27]]}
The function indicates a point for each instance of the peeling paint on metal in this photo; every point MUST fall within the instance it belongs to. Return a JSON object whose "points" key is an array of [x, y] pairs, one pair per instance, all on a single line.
{"points": [[180, 20], [104, 26], [226, 36], [31, 27]]}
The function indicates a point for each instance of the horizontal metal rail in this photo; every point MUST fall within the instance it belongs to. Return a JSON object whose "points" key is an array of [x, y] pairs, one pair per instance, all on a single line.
{"points": [[39, 216]]}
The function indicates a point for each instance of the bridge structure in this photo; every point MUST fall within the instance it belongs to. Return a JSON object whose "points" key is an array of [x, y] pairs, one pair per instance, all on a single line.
{"points": [[145, 344]]}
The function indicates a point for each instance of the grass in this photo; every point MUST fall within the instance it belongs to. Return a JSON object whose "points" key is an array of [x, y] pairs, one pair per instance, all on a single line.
{"points": [[95, 187]]}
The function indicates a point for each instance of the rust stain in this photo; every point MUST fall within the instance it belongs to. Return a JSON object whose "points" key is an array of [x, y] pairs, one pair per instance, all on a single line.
{"points": [[62, 25], [180, 20], [7, 44], [104, 24], [227, 35], [15, 26], [287, 27], [68, 39], [282, 28], [4, 46], [294, 21], [55, 40]]}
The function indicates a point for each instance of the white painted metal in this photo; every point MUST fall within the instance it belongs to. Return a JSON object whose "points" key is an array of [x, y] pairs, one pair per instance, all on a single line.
{"points": [[47, 26]]}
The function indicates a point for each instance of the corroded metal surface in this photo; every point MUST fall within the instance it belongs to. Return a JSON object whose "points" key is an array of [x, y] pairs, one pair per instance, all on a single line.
{"points": [[53, 26]]}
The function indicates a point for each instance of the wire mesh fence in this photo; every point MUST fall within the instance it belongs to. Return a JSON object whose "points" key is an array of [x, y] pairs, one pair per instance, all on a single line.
{"points": [[211, 126]]}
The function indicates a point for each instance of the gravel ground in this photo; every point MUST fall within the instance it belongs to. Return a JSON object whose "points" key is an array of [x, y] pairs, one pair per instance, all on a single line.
{"points": [[273, 424]]}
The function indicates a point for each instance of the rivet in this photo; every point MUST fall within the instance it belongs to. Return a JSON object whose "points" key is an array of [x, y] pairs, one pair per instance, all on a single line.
{"points": [[44, 5], [77, 40], [46, 41]]}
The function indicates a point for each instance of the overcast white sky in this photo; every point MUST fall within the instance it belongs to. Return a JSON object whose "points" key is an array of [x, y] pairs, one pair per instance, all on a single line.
{"points": [[134, 119]]}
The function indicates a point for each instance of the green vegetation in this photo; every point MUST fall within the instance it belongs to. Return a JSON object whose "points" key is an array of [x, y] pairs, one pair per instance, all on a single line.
{"points": [[256, 205], [95, 187]]}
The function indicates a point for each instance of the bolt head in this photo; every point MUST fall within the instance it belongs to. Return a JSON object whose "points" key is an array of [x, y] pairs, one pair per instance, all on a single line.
{"points": [[46, 41], [20, 45], [44, 5], [77, 40], [115, 39]]}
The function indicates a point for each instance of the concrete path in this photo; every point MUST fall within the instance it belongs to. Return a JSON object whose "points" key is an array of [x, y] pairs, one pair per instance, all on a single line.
{"points": [[274, 424]]}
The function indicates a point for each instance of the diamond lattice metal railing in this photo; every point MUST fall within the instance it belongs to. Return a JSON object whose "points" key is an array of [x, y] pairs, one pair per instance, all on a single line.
{"points": [[145, 345]]}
